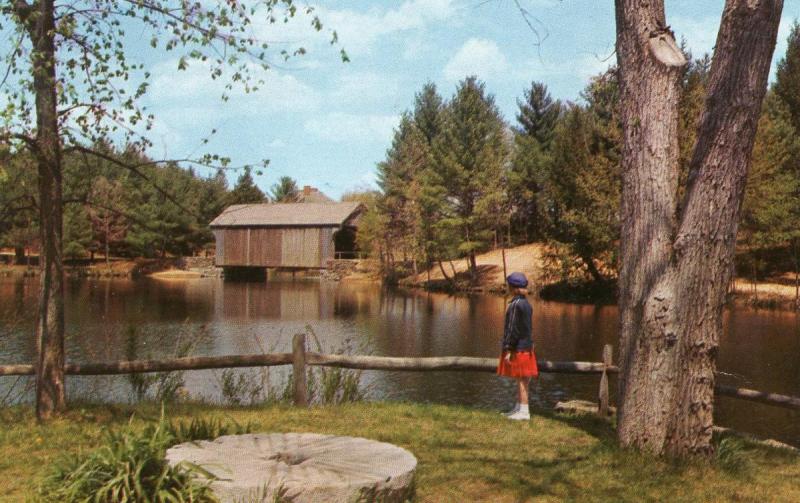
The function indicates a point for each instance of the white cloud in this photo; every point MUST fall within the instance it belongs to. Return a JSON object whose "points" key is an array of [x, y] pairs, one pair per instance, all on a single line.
{"points": [[194, 89], [362, 87], [479, 57], [784, 30], [276, 143], [584, 66], [700, 33], [358, 30], [351, 128]]}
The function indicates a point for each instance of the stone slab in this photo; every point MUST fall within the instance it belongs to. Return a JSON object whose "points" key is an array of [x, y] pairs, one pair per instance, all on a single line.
{"points": [[302, 468]]}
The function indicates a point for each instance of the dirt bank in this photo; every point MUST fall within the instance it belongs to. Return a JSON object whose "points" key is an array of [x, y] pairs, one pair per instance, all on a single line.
{"points": [[526, 259]]}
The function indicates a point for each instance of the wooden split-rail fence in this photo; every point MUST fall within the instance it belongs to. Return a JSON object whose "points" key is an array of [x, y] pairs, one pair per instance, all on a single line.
{"points": [[299, 358]]}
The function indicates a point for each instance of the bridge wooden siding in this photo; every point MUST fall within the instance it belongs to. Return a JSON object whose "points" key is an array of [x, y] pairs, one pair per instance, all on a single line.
{"points": [[289, 235]]}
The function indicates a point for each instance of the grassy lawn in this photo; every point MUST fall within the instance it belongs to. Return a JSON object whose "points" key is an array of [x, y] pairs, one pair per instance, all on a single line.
{"points": [[464, 454]]}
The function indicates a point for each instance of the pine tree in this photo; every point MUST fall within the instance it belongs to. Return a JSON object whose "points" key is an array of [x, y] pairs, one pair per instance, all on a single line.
{"points": [[582, 188], [285, 191], [470, 157], [211, 201], [427, 115], [77, 231], [538, 115], [770, 216], [787, 76], [690, 108], [398, 203], [245, 191]]}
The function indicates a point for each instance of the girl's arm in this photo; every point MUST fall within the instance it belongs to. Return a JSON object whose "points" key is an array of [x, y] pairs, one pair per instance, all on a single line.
{"points": [[510, 341]]}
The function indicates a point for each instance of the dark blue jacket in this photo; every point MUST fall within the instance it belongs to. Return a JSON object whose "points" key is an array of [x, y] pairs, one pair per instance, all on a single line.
{"points": [[518, 325]]}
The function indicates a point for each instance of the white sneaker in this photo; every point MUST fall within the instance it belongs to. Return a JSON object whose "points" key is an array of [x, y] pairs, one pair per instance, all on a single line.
{"points": [[520, 415], [512, 411]]}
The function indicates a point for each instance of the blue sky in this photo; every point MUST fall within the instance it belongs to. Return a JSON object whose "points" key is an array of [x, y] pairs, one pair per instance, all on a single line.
{"points": [[327, 123]]}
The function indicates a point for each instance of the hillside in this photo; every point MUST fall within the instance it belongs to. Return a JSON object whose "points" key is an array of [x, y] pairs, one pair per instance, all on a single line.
{"points": [[526, 259]]}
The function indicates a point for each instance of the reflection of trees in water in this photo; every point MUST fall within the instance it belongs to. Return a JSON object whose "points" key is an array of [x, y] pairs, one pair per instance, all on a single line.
{"points": [[760, 346]]}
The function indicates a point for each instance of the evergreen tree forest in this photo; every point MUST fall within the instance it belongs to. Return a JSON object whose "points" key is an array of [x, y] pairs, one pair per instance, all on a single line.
{"points": [[124, 206], [460, 179]]}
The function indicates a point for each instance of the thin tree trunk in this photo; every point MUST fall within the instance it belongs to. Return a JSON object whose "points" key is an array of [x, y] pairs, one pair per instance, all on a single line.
{"points": [[676, 264], [796, 275], [441, 268], [50, 392], [108, 233], [505, 269], [593, 270]]}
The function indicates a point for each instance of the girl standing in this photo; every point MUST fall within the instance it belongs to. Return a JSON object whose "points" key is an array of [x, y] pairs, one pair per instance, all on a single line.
{"points": [[518, 360]]}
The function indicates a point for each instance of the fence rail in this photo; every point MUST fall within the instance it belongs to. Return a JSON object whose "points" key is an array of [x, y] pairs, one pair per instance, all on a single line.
{"points": [[325, 360], [299, 359]]}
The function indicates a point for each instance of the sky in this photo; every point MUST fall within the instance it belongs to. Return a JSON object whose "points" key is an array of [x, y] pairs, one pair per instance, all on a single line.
{"points": [[327, 123]]}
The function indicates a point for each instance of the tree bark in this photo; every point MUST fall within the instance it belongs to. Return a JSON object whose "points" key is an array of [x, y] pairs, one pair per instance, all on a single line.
{"points": [[441, 268], [677, 261], [50, 390]]}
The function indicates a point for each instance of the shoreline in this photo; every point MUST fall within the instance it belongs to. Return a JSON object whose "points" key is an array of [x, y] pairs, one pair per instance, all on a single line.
{"points": [[763, 294]]}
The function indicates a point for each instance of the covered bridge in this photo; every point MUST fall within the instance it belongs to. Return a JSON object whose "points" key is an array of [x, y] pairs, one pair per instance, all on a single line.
{"points": [[288, 235]]}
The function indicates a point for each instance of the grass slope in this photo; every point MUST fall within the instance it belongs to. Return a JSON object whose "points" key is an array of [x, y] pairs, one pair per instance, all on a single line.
{"points": [[464, 454]]}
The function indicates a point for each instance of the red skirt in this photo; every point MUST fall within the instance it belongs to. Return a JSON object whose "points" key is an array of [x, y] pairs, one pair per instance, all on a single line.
{"points": [[523, 364]]}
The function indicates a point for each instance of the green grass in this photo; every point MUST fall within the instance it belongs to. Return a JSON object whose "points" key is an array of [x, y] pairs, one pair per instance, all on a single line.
{"points": [[464, 454]]}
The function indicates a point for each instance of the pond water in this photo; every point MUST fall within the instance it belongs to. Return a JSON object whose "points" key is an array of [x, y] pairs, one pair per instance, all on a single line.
{"points": [[108, 320]]}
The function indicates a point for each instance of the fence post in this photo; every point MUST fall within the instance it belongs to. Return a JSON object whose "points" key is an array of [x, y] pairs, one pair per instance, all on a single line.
{"points": [[602, 409], [299, 369]]}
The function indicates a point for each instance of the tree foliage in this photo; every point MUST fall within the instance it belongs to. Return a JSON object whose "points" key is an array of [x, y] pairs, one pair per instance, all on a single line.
{"points": [[245, 191], [470, 157], [285, 191]]}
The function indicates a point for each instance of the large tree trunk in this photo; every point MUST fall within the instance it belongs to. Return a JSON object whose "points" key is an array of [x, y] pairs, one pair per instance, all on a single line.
{"points": [[676, 262], [50, 327]]}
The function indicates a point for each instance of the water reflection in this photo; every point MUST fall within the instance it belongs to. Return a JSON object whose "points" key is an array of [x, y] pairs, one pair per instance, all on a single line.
{"points": [[759, 348]]}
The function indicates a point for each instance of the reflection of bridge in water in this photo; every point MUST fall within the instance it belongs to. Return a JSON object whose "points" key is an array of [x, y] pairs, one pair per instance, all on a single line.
{"points": [[295, 300]]}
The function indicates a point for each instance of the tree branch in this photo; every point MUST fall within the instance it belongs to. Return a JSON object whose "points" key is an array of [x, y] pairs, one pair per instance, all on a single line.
{"points": [[134, 168]]}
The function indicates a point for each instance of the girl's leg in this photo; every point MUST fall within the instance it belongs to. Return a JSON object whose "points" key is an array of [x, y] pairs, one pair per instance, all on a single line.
{"points": [[522, 412], [522, 388]]}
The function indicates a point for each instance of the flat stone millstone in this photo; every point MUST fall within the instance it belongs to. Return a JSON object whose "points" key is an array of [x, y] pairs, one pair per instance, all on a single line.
{"points": [[301, 467]]}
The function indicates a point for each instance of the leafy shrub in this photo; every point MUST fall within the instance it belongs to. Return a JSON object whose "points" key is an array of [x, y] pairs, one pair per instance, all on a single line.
{"points": [[131, 467], [239, 388], [204, 429]]}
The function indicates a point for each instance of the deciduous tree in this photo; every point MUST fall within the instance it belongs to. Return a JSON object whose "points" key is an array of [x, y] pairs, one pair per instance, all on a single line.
{"points": [[677, 259], [72, 71]]}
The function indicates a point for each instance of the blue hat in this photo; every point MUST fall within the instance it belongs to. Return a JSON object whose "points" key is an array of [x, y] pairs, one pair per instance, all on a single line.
{"points": [[517, 280]]}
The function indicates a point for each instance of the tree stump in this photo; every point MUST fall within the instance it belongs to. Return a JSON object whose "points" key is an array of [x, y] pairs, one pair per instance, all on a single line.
{"points": [[302, 467]]}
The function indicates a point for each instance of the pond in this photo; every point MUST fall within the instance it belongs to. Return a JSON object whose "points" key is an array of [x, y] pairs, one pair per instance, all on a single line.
{"points": [[112, 319]]}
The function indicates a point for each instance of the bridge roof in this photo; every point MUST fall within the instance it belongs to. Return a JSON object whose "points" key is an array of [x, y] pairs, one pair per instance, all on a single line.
{"points": [[287, 215]]}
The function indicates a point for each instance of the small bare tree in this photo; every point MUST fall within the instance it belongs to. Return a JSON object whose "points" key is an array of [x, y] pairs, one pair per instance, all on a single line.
{"points": [[108, 223]]}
